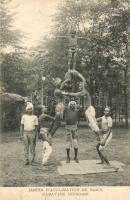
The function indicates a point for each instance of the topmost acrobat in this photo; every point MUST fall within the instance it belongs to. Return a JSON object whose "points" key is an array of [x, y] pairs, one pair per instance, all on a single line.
{"points": [[73, 47]]}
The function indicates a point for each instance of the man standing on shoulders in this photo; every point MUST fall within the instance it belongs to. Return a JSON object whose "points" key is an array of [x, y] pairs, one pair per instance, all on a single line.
{"points": [[29, 130]]}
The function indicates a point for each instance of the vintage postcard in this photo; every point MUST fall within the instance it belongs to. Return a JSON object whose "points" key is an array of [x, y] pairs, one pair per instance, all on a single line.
{"points": [[64, 96]]}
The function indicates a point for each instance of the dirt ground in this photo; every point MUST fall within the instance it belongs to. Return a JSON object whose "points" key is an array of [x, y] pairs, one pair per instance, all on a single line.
{"points": [[15, 174]]}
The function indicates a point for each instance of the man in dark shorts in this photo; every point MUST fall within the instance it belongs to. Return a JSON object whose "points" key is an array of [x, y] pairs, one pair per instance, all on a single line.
{"points": [[71, 119]]}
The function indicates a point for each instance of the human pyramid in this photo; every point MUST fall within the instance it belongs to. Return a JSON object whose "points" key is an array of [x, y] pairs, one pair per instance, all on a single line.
{"points": [[74, 85]]}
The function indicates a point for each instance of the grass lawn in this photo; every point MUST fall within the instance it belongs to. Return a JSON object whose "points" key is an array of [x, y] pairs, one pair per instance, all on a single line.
{"points": [[15, 173]]}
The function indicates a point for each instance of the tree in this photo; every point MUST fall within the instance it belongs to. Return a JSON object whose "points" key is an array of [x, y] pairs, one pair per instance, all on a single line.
{"points": [[8, 36], [102, 58], [11, 59]]}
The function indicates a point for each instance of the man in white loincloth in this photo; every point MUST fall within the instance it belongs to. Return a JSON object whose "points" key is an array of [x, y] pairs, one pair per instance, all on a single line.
{"points": [[45, 121]]}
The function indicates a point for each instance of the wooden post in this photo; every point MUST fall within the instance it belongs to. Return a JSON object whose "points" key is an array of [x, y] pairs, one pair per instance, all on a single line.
{"points": [[127, 81], [43, 79]]}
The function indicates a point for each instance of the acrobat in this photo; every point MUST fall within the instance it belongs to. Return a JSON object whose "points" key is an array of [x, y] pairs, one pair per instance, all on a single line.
{"points": [[73, 47]]}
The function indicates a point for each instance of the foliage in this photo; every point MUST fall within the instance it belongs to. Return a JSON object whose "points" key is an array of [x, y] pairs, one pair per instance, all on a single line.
{"points": [[102, 57], [12, 65], [11, 61], [12, 106]]}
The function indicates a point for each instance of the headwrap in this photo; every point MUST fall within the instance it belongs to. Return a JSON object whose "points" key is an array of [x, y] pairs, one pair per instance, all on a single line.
{"points": [[29, 106]]}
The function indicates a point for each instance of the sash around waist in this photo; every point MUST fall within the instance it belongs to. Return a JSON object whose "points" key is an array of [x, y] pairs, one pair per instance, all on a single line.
{"points": [[71, 126], [29, 131]]}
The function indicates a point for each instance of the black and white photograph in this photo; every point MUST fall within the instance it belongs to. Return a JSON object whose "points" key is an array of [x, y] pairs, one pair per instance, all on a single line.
{"points": [[65, 93]]}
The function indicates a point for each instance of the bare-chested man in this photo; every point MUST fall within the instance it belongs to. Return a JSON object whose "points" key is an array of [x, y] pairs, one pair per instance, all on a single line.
{"points": [[89, 109]]}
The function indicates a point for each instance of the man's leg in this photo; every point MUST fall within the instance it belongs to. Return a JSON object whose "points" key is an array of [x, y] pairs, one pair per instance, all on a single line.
{"points": [[70, 58], [26, 148], [90, 117], [47, 150], [56, 124], [32, 145], [102, 153], [99, 153], [68, 155], [74, 59], [68, 144], [75, 145], [76, 155], [102, 148]]}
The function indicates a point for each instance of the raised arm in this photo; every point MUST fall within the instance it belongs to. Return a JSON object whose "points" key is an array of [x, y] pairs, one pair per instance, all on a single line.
{"points": [[99, 119], [82, 38], [46, 116], [50, 117], [61, 37]]}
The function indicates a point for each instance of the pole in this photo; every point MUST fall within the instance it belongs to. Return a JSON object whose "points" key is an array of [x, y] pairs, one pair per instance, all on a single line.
{"points": [[42, 94], [43, 79]]}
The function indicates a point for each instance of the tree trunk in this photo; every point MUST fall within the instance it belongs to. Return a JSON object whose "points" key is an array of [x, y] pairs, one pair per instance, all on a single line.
{"points": [[127, 82]]}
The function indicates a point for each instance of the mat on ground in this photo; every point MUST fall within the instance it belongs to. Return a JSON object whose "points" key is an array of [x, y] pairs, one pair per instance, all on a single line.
{"points": [[88, 167]]}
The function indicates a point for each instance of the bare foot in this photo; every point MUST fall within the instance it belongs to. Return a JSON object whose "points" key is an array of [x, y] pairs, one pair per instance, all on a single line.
{"points": [[100, 163], [111, 167], [44, 163], [27, 162], [68, 160], [76, 160]]}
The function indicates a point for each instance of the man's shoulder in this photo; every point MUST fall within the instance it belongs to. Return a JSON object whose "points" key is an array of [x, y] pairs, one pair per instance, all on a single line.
{"points": [[110, 118], [24, 115], [34, 116], [42, 115]]}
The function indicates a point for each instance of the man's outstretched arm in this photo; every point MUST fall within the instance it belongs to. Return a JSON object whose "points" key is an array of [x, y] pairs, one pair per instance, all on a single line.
{"points": [[61, 37], [77, 94]]}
